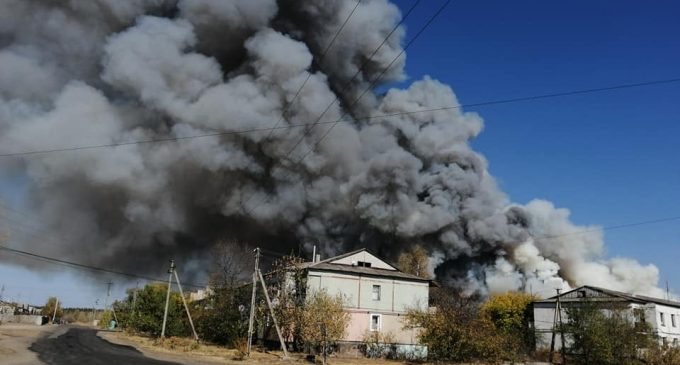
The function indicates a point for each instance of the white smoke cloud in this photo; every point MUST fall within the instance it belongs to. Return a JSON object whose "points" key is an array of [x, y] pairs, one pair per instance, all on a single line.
{"points": [[102, 72]]}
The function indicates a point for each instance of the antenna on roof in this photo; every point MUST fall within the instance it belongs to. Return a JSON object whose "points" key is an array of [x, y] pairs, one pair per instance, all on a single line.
{"points": [[668, 291]]}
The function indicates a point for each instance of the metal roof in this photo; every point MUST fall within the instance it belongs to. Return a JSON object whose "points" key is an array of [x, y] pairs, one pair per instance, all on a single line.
{"points": [[327, 265], [616, 294], [369, 271]]}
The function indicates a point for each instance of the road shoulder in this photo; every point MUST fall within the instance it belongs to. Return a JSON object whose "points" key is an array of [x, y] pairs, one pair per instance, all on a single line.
{"points": [[15, 340]]}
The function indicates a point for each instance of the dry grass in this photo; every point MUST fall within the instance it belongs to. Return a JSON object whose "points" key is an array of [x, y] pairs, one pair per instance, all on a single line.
{"points": [[189, 350]]}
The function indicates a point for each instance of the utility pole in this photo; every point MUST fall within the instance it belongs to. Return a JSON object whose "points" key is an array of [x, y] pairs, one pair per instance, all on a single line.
{"points": [[134, 298], [56, 305], [251, 319], [172, 272], [94, 310], [557, 324], [191, 322], [167, 297], [108, 293], [271, 310]]}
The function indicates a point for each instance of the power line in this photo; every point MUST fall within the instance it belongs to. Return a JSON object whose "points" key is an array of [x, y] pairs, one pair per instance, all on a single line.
{"points": [[364, 118], [86, 267], [370, 86], [309, 74], [245, 131], [348, 84], [609, 228], [373, 84]]}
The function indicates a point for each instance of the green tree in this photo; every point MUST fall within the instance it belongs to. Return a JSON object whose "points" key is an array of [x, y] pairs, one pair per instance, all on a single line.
{"points": [[287, 285], [454, 331], [324, 321], [606, 334], [222, 317], [511, 313], [148, 312], [48, 309], [415, 262]]}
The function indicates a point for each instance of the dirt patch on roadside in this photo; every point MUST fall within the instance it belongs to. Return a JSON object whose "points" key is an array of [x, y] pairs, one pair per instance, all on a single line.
{"points": [[15, 339]]}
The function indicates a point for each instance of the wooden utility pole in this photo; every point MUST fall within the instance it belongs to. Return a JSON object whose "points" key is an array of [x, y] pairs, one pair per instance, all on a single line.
{"points": [[251, 319]]}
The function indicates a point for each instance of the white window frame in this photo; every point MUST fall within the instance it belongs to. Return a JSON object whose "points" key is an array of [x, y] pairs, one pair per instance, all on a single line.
{"points": [[373, 292], [370, 322], [662, 318]]}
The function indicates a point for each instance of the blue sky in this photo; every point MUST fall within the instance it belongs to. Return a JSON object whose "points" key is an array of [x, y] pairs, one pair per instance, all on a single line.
{"points": [[611, 158]]}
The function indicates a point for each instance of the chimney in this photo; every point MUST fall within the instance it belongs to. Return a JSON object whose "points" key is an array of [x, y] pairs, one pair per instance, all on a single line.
{"points": [[318, 258], [314, 254]]}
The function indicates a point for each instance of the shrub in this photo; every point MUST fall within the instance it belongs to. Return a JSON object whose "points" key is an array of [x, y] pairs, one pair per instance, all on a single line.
{"points": [[376, 344]]}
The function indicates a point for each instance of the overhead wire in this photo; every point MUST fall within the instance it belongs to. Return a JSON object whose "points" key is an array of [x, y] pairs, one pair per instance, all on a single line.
{"points": [[309, 74], [88, 267], [361, 68], [370, 86], [335, 121], [609, 228]]}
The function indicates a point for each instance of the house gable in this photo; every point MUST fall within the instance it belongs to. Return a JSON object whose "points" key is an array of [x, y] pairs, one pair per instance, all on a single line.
{"points": [[360, 258]]}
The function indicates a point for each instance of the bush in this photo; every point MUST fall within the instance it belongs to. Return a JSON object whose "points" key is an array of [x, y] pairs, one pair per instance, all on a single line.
{"points": [[662, 355], [241, 346], [376, 344], [147, 314], [221, 318], [456, 332], [324, 321], [603, 333], [511, 313]]}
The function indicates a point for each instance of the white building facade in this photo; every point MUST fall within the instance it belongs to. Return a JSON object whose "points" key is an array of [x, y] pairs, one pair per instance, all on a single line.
{"points": [[377, 296], [663, 316]]}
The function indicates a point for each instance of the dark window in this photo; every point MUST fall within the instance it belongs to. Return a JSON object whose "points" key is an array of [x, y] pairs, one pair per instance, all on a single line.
{"points": [[375, 322], [364, 264]]}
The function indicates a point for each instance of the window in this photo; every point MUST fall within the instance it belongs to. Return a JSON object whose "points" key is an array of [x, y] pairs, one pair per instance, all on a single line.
{"points": [[639, 315], [363, 264], [673, 320], [581, 294], [375, 322], [675, 342], [662, 317], [376, 292]]}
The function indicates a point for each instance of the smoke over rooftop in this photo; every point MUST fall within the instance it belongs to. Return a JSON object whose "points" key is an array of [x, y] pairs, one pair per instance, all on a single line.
{"points": [[109, 71]]}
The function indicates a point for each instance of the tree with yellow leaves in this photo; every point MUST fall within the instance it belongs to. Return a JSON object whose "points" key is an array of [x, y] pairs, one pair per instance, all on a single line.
{"points": [[415, 262], [510, 313], [324, 321]]}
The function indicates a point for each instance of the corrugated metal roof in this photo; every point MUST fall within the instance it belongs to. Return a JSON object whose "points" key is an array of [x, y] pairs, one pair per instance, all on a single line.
{"points": [[617, 294]]}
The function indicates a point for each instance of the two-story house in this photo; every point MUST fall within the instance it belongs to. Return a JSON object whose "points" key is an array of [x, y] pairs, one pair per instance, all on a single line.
{"points": [[377, 296], [663, 316]]}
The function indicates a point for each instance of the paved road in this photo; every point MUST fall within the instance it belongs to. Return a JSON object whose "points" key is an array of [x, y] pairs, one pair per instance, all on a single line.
{"points": [[78, 345]]}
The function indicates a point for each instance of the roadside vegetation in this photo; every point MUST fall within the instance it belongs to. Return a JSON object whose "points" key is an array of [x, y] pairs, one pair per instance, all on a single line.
{"points": [[456, 327]]}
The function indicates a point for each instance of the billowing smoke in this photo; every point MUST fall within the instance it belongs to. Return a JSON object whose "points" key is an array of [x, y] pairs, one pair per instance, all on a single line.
{"points": [[101, 72]]}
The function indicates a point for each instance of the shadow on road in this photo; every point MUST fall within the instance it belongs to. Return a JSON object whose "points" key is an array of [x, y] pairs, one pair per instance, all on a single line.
{"points": [[79, 345]]}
